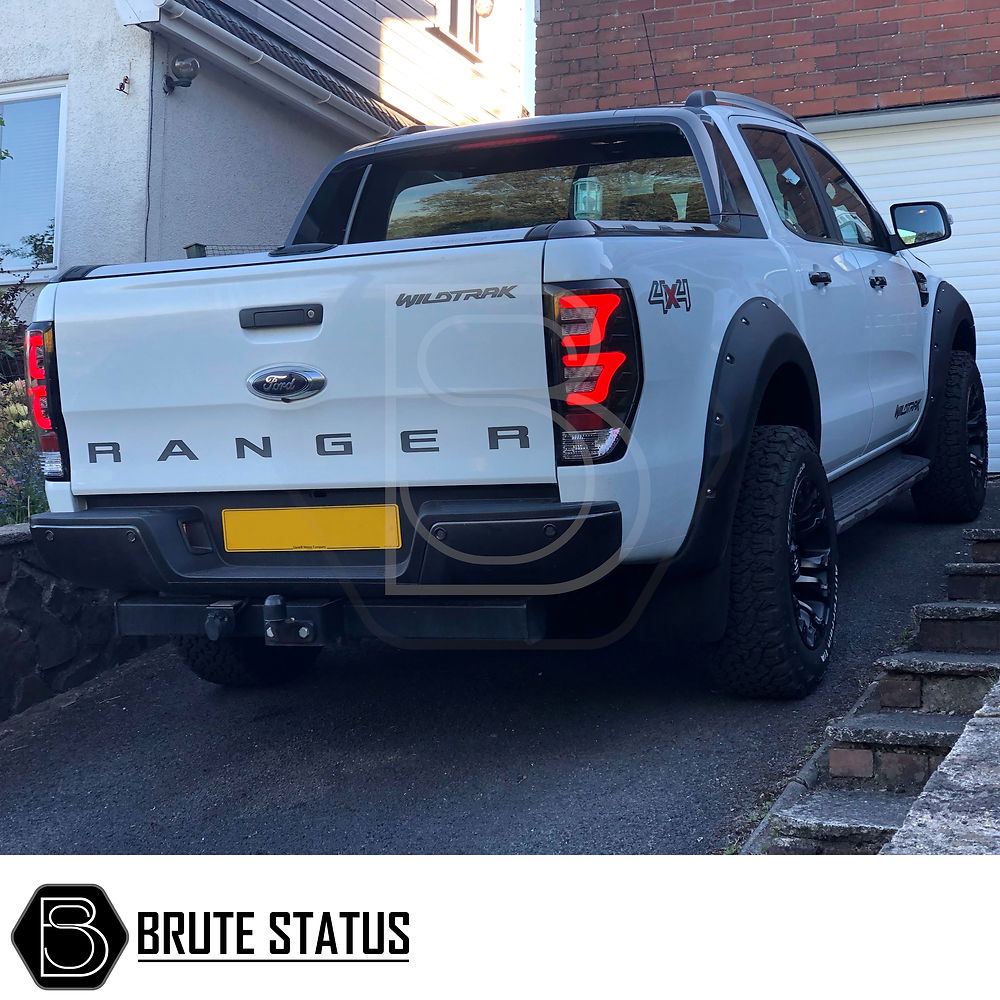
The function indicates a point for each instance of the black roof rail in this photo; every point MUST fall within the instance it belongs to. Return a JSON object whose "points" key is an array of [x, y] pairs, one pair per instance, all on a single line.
{"points": [[410, 129], [701, 98]]}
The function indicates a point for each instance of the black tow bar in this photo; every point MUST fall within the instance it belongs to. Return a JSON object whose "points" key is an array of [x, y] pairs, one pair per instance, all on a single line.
{"points": [[280, 630]]}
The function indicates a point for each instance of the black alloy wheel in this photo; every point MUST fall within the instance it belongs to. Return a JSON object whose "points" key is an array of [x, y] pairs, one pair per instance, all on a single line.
{"points": [[810, 547], [977, 431]]}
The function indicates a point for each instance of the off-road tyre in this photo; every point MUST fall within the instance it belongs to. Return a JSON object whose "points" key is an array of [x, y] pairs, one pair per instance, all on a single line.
{"points": [[954, 489], [243, 662], [784, 536]]}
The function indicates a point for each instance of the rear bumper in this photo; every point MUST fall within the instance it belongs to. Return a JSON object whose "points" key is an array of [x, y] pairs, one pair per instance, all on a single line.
{"points": [[323, 622], [456, 547]]}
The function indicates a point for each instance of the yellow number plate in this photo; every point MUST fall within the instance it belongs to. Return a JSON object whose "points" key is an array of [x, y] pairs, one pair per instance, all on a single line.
{"points": [[311, 529]]}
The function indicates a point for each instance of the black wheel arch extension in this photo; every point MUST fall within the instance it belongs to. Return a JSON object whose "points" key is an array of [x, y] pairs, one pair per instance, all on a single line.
{"points": [[763, 375], [952, 329]]}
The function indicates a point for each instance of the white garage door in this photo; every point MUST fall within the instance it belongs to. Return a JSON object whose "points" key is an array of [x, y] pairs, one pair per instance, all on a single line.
{"points": [[956, 162]]}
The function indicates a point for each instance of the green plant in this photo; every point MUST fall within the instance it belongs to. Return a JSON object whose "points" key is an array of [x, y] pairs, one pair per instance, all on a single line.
{"points": [[22, 488], [38, 248]]}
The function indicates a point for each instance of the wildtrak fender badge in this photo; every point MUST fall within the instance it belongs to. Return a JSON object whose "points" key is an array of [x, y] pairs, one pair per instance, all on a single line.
{"points": [[670, 296], [903, 408], [459, 295]]}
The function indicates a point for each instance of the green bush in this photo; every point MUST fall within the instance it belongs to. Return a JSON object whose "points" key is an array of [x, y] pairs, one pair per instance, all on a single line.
{"points": [[22, 488]]}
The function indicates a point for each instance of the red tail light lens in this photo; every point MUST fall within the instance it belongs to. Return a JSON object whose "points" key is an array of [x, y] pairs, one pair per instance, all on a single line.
{"points": [[39, 356], [597, 371], [584, 318], [594, 374]]}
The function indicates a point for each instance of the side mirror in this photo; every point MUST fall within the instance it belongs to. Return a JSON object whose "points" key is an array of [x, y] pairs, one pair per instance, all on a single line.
{"points": [[920, 222]]}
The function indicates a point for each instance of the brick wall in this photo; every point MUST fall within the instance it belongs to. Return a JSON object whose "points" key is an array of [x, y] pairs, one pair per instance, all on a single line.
{"points": [[823, 57]]}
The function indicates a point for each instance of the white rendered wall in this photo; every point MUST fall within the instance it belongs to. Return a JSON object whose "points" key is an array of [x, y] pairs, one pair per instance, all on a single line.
{"points": [[231, 165], [84, 44]]}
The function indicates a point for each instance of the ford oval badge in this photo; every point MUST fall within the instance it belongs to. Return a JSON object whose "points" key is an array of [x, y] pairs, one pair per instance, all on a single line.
{"points": [[285, 383]]}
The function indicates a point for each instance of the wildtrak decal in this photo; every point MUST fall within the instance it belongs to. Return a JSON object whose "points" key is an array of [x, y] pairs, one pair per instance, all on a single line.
{"points": [[904, 408], [670, 296], [460, 295]]}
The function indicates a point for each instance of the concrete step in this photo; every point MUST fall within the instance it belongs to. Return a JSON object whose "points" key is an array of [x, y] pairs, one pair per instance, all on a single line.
{"points": [[975, 581], [985, 544], [936, 682], [890, 751], [929, 731], [833, 821], [958, 626], [930, 663]]}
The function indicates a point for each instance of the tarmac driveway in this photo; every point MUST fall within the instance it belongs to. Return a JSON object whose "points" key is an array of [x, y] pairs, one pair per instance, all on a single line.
{"points": [[621, 750]]}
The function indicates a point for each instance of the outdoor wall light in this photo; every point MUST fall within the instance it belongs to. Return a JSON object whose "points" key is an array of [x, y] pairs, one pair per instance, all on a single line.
{"points": [[184, 70]]}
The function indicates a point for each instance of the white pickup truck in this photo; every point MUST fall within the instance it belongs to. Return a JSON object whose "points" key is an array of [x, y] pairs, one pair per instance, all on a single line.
{"points": [[515, 383]]}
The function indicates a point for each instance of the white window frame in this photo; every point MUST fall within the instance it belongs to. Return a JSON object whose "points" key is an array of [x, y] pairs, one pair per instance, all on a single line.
{"points": [[442, 29], [9, 93]]}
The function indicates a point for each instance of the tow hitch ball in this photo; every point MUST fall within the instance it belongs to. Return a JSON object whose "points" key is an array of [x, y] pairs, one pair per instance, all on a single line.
{"points": [[280, 630]]}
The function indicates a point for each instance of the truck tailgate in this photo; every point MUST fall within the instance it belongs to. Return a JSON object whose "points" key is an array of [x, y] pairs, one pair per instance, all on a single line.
{"points": [[434, 360]]}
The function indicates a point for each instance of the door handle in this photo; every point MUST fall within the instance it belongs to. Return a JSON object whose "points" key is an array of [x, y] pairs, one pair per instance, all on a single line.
{"points": [[877, 281], [257, 319], [820, 277]]}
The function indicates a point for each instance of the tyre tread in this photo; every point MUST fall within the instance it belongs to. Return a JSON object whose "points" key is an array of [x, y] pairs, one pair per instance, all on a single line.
{"points": [[761, 652], [947, 493]]}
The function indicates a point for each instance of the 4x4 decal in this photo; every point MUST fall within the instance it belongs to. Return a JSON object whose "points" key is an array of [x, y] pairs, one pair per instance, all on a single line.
{"points": [[670, 296]]}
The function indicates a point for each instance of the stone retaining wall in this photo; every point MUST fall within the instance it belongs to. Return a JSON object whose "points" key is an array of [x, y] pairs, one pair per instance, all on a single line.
{"points": [[53, 635]]}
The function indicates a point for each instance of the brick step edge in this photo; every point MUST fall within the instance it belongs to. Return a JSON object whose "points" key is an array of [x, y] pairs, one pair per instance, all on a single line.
{"points": [[855, 847], [809, 776], [836, 814], [981, 534], [972, 569], [929, 663], [958, 611], [882, 730], [902, 770], [934, 693]]}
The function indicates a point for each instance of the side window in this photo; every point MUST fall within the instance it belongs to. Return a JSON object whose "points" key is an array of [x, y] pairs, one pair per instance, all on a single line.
{"points": [[854, 219], [737, 198], [786, 182], [29, 179]]}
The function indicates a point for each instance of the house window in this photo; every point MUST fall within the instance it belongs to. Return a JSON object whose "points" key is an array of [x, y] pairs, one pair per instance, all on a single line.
{"points": [[463, 22], [30, 178]]}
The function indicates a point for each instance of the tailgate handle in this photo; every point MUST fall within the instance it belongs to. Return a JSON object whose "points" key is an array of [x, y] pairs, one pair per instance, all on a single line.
{"points": [[256, 319]]}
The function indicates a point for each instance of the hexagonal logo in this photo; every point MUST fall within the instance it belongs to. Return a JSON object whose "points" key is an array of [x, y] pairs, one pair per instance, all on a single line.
{"points": [[69, 937]]}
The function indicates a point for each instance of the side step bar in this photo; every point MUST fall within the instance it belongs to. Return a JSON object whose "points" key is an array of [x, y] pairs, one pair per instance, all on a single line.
{"points": [[873, 485]]}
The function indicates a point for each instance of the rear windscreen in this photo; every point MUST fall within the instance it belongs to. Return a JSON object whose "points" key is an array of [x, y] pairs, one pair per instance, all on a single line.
{"points": [[515, 183]]}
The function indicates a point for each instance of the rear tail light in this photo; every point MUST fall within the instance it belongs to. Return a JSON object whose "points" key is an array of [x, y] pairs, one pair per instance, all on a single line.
{"points": [[43, 401], [596, 368]]}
